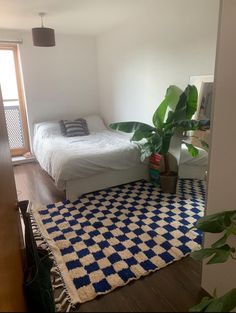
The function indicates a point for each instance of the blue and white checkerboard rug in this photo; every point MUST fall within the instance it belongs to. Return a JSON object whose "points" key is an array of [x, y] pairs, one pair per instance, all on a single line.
{"points": [[108, 238]]}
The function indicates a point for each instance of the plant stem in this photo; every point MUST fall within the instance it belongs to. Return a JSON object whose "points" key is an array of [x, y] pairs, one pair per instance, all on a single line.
{"points": [[166, 162]]}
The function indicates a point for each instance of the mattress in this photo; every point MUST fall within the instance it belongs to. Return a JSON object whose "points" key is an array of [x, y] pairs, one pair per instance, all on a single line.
{"points": [[78, 157]]}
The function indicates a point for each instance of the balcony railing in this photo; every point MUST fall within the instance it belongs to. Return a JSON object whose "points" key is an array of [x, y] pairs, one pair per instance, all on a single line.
{"points": [[14, 124]]}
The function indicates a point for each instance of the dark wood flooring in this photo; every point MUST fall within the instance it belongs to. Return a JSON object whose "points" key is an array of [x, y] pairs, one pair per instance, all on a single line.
{"points": [[175, 288]]}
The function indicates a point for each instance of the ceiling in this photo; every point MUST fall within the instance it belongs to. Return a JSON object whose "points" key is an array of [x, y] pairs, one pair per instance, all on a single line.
{"points": [[71, 16], [89, 17]]}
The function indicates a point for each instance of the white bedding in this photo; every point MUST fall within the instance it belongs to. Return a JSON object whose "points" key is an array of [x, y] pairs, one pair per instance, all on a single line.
{"points": [[77, 157]]}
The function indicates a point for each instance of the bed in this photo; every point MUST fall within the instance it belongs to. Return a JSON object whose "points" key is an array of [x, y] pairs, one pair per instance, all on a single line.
{"points": [[83, 164]]}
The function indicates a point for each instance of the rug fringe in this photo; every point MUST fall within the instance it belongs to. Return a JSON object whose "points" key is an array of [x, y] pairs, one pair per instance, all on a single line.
{"points": [[63, 302]]}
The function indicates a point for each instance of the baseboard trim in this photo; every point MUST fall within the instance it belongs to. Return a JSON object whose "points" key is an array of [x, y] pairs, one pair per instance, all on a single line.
{"points": [[22, 160]]}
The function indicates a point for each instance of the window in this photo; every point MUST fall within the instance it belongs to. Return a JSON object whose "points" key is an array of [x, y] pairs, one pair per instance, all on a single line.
{"points": [[13, 99]]}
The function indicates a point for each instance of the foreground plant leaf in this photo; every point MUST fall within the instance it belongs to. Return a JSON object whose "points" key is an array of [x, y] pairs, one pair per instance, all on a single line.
{"points": [[219, 255], [226, 303], [202, 306], [216, 223]]}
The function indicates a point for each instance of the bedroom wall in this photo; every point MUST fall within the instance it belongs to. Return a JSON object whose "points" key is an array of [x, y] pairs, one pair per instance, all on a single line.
{"points": [[60, 82], [140, 59]]}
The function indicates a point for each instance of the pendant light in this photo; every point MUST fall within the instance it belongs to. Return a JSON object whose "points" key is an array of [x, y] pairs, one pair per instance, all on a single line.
{"points": [[43, 36]]}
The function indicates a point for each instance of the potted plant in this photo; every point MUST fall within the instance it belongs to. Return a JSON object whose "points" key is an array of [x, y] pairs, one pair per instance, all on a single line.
{"points": [[221, 251], [172, 117]]}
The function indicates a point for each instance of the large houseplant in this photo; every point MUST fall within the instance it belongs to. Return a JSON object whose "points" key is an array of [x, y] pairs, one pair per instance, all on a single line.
{"points": [[172, 117], [221, 223]]}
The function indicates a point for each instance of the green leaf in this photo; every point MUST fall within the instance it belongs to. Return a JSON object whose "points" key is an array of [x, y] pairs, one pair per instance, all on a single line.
{"points": [[226, 303], [202, 306], [187, 125], [171, 99], [222, 254], [187, 104], [216, 223], [180, 110], [221, 241], [202, 254], [142, 133], [146, 151], [155, 142], [132, 127], [170, 118], [219, 255], [192, 150], [192, 98]]}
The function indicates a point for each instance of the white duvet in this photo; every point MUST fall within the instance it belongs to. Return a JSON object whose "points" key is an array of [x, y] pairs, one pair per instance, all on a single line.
{"points": [[77, 157]]}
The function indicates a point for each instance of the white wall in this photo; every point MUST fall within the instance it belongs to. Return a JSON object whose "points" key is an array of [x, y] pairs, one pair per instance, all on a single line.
{"points": [[60, 82], [222, 166], [138, 61]]}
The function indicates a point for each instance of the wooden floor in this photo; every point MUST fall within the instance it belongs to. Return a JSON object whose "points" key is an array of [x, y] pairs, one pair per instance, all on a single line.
{"points": [[173, 289]]}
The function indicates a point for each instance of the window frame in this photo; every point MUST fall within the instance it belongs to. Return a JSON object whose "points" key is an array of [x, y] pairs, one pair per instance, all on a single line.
{"points": [[22, 105]]}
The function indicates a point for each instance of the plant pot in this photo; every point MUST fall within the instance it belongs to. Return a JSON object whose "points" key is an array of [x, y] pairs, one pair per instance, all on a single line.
{"points": [[169, 182], [154, 168]]}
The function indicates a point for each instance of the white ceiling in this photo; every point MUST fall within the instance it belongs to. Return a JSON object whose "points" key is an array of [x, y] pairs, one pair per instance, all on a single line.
{"points": [[88, 16], [71, 16]]}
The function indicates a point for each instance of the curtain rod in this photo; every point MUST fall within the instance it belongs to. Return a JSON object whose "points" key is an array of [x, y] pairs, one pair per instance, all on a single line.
{"points": [[11, 41]]}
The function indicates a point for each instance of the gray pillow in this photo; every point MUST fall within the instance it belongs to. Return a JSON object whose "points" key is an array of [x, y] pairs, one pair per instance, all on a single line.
{"points": [[62, 126], [74, 128]]}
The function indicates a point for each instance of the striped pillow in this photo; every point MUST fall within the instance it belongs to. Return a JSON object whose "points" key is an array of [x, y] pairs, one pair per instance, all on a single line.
{"points": [[75, 128], [62, 126]]}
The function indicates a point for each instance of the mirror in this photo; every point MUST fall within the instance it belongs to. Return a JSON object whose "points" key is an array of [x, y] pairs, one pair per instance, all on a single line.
{"points": [[195, 168]]}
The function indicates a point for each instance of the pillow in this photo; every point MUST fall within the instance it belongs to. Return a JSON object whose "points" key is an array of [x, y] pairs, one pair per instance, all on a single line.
{"points": [[63, 128], [95, 123], [47, 129], [74, 128]]}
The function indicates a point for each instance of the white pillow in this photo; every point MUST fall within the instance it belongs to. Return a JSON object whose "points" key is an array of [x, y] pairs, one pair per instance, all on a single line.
{"points": [[95, 123]]}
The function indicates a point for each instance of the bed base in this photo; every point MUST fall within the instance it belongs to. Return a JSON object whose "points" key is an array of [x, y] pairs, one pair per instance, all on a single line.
{"points": [[192, 172], [78, 187]]}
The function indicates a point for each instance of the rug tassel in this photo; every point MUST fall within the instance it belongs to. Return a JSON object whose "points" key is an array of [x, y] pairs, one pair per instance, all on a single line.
{"points": [[57, 280], [64, 306], [66, 300], [69, 307], [59, 299], [56, 286]]}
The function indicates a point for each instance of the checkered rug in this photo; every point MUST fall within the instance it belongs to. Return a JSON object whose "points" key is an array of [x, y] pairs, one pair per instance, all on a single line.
{"points": [[108, 238]]}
